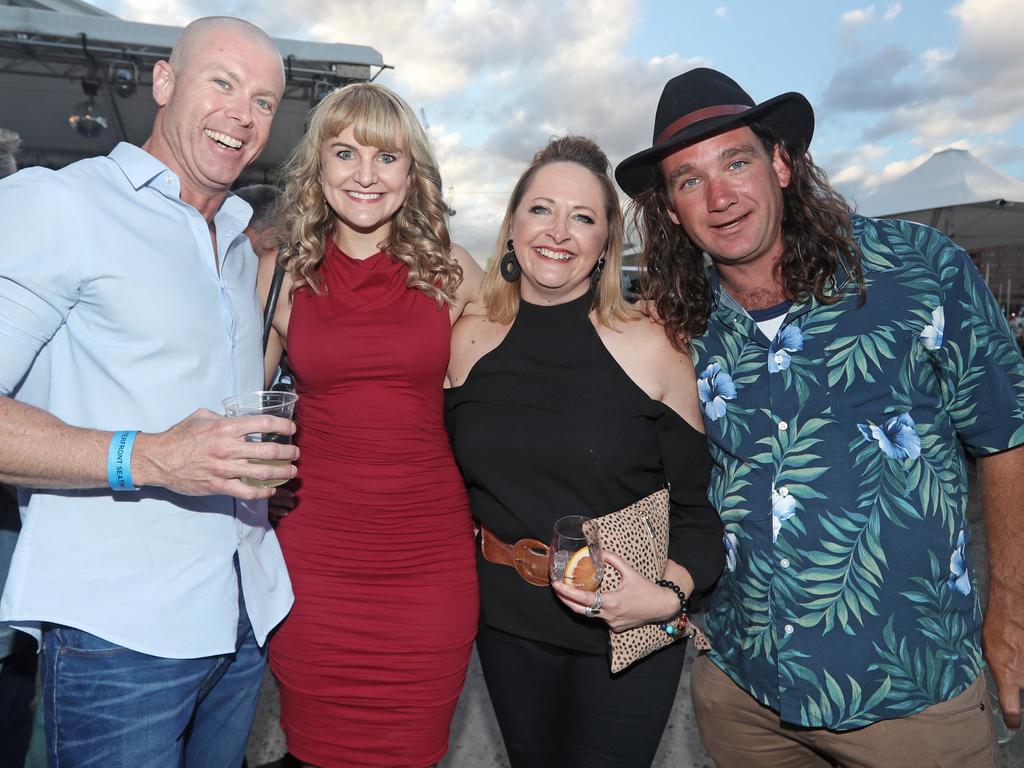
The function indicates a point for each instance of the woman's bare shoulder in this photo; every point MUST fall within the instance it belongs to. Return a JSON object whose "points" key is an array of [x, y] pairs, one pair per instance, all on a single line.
{"points": [[468, 294], [647, 355]]}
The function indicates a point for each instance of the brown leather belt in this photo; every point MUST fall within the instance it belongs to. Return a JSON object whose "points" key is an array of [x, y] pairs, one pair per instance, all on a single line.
{"points": [[529, 557]]}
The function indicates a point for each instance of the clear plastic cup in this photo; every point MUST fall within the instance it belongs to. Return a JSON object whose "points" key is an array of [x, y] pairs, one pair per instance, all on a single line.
{"points": [[263, 403]]}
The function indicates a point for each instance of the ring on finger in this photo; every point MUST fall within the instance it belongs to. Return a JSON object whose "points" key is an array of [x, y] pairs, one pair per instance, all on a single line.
{"points": [[589, 611], [598, 602]]}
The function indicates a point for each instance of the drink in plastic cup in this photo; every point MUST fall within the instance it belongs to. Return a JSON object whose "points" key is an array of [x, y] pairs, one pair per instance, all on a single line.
{"points": [[263, 403]]}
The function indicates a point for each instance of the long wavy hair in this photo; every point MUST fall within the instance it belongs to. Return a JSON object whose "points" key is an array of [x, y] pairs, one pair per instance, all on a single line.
{"points": [[419, 231], [501, 296], [818, 247]]}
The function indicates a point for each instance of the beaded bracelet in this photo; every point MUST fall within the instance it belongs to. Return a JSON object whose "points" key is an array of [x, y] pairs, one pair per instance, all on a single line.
{"points": [[676, 627]]}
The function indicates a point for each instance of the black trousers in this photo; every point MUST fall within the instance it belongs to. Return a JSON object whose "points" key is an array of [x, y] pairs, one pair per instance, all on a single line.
{"points": [[559, 708]]}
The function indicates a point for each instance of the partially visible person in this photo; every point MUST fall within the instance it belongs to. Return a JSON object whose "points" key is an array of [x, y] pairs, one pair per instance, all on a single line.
{"points": [[10, 145], [263, 229], [846, 367], [17, 656], [565, 400], [265, 235], [373, 656], [127, 313], [17, 653]]}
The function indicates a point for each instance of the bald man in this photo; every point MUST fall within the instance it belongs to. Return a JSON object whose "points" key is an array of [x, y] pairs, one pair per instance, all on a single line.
{"points": [[146, 567]]}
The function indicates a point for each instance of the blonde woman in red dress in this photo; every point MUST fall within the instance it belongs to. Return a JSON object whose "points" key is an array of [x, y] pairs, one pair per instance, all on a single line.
{"points": [[379, 545]]}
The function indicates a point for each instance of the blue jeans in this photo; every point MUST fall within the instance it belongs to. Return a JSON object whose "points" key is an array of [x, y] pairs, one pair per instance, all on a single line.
{"points": [[110, 707]]}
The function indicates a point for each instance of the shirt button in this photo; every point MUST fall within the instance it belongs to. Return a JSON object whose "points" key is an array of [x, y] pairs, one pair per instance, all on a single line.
{"points": [[783, 426], [779, 358], [788, 629], [783, 491], [784, 562]]}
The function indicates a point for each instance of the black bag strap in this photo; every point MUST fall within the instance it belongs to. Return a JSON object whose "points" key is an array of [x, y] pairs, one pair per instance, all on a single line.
{"points": [[269, 309]]}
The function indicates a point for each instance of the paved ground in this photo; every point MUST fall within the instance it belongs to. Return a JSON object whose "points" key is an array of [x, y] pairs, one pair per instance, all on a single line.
{"points": [[476, 742]]}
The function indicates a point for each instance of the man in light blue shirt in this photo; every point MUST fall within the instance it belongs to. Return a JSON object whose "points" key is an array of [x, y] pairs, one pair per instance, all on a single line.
{"points": [[127, 302]]}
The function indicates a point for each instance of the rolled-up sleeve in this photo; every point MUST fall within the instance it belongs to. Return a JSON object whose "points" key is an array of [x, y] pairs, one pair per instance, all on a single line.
{"points": [[695, 536], [39, 272]]}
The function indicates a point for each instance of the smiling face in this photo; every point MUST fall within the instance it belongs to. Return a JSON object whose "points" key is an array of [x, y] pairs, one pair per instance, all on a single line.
{"points": [[216, 107], [559, 231], [726, 192], [364, 185]]}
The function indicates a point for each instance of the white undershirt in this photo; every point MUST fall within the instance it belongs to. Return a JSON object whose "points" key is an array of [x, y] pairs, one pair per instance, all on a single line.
{"points": [[771, 326]]}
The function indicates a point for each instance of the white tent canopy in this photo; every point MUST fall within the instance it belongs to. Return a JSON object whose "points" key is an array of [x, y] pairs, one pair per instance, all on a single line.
{"points": [[953, 191]]}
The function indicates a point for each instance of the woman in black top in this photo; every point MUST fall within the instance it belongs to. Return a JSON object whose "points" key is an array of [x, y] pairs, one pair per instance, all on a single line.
{"points": [[565, 400]]}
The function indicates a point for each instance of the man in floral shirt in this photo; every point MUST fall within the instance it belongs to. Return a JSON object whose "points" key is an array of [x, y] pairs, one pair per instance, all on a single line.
{"points": [[847, 366]]}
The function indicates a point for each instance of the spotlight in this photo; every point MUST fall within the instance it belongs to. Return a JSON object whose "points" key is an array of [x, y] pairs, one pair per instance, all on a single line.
{"points": [[86, 119], [123, 77]]}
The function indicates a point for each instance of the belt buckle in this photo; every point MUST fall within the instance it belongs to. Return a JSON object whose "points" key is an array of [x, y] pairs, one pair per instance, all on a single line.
{"points": [[531, 560]]}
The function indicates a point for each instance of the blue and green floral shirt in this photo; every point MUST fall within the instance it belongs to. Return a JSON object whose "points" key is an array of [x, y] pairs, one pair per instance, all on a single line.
{"points": [[839, 453]]}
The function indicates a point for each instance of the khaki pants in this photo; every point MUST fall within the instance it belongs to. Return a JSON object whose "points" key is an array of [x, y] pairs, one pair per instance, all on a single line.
{"points": [[739, 732]]}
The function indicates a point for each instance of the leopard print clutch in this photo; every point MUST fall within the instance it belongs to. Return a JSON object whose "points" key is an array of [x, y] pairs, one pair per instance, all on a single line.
{"points": [[639, 534]]}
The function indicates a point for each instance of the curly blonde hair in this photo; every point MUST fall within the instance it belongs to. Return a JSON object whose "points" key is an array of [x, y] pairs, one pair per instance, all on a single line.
{"points": [[419, 231], [502, 297]]}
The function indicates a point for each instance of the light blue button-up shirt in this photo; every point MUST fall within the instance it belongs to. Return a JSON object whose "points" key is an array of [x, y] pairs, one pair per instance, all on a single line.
{"points": [[113, 315]]}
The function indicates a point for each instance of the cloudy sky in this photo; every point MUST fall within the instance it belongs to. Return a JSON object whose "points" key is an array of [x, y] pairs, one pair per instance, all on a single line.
{"points": [[891, 82]]}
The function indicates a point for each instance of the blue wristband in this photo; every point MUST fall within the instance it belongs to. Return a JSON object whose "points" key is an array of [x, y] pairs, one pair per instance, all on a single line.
{"points": [[119, 461]]}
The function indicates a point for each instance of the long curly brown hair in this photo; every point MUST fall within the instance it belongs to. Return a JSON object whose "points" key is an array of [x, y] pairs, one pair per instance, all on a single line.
{"points": [[419, 231], [818, 247]]}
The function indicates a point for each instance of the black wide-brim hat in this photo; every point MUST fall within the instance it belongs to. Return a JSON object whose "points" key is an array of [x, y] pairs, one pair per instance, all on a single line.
{"points": [[701, 103]]}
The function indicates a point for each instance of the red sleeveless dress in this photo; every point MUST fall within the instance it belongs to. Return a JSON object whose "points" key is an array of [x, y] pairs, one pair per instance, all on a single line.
{"points": [[379, 547]]}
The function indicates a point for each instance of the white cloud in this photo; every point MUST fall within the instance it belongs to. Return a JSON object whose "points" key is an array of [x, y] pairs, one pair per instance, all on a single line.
{"points": [[172, 14], [857, 180], [721, 12], [898, 168], [858, 17], [973, 86], [856, 167], [998, 152], [892, 11], [851, 174], [933, 58], [872, 152]]}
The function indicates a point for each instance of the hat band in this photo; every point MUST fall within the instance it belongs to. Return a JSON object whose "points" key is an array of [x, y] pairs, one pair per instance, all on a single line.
{"points": [[695, 117]]}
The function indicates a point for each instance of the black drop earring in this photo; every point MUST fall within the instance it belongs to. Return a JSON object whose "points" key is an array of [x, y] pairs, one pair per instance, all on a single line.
{"points": [[595, 276], [510, 269]]}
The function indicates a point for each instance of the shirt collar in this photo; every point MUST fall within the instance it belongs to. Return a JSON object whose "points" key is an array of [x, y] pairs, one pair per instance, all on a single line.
{"points": [[142, 168], [138, 166], [233, 212], [720, 297]]}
